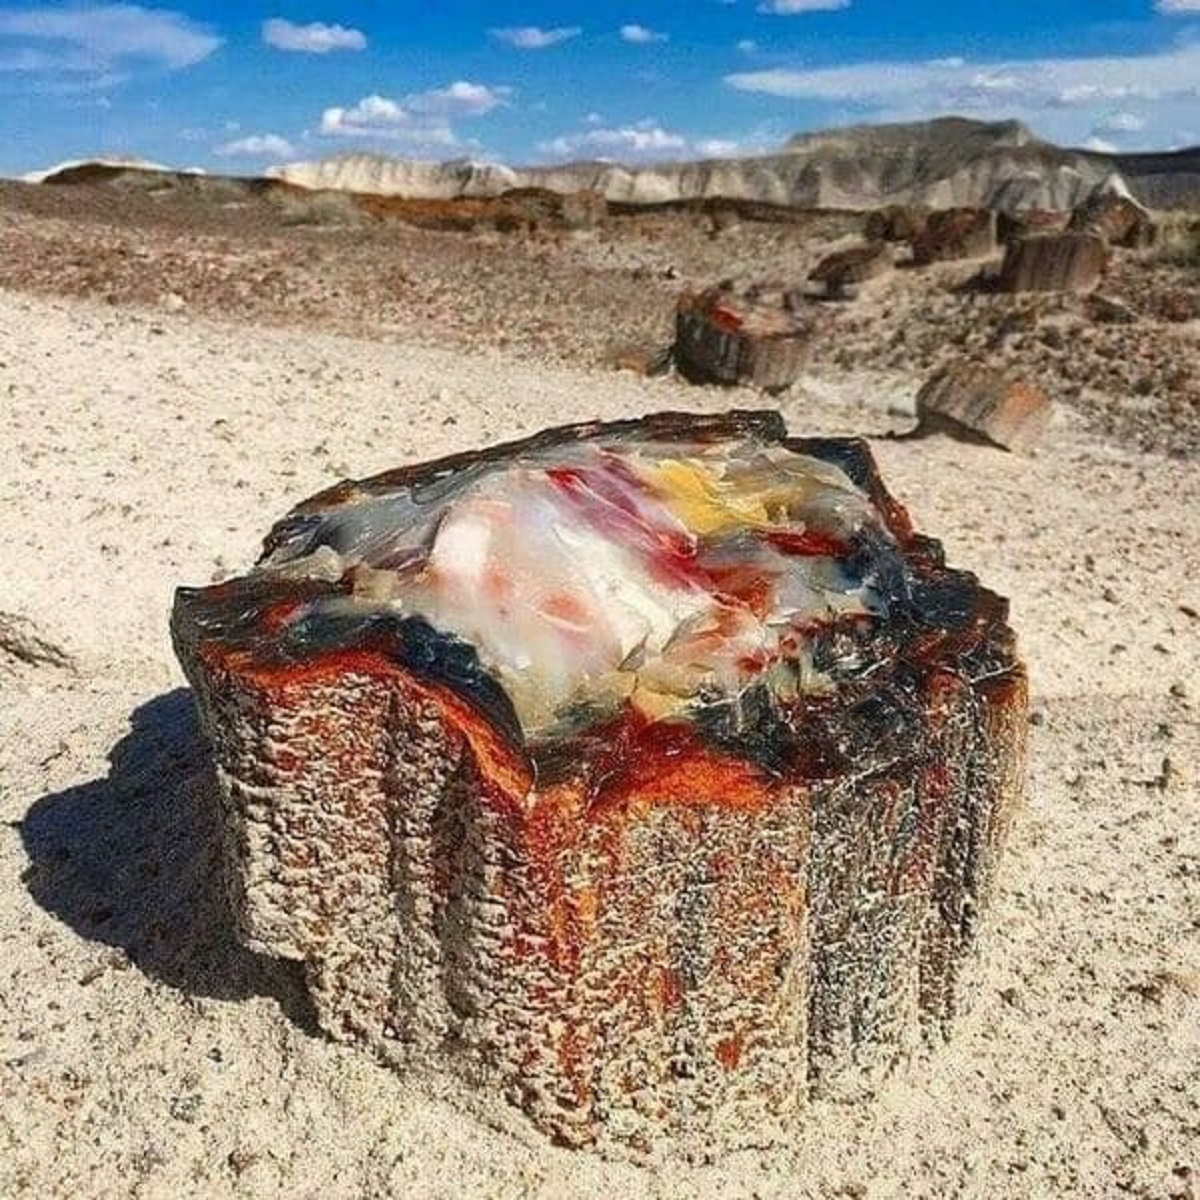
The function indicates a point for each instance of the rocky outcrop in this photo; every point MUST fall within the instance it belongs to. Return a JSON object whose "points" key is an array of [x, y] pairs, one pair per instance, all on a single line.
{"points": [[946, 163], [950, 162]]}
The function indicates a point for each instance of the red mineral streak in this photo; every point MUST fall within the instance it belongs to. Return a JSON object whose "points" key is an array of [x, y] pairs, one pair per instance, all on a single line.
{"points": [[726, 318], [666, 762], [806, 543], [277, 616], [743, 586], [611, 506]]}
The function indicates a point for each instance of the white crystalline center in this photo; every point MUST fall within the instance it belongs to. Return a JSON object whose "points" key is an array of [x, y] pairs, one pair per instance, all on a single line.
{"points": [[593, 573]]}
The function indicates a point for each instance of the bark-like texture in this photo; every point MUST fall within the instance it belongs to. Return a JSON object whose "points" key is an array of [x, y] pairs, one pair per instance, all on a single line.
{"points": [[722, 337], [1053, 262], [973, 399], [955, 233], [1119, 220], [843, 272], [674, 928]]}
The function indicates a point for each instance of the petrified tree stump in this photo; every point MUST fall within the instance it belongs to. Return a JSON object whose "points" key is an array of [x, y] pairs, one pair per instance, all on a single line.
{"points": [[651, 774], [975, 399], [1029, 221], [955, 233], [1053, 262], [729, 337], [896, 223], [1117, 219], [841, 274]]}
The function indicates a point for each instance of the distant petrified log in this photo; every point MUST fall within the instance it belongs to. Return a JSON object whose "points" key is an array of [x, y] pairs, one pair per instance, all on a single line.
{"points": [[730, 337], [1117, 219], [1029, 221], [955, 233], [896, 223], [1053, 262], [521, 210], [976, 399], [651, 774], [841, 274]]}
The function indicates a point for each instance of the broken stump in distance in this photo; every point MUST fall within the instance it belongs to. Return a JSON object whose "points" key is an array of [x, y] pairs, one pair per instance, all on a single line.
{"points": [[1117, 219], [896, 223], [1053, 262], [742, 337], [841, 274], [1029, 221], [650, 775], [976, 400], [955, 233]]}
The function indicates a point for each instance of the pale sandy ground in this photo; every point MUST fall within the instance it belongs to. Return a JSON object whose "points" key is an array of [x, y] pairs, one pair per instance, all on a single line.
{"points": [[142, 1054]]}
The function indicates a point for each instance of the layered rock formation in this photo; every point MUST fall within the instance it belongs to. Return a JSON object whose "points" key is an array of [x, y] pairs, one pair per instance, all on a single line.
{"points": [[946, 163], [651, 774], [950, 162]]}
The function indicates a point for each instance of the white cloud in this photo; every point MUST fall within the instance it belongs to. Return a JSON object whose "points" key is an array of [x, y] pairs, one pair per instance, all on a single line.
{"points": [[422, 118], [257, 145], [639, 35], [1174, 7], [1099, 145], [316, 38], [101, 40], [950, 84], [1121, 122], [630, 141], [1063, 99], [644, 141], [532, 37], [746, 46], [789, 8], [718, 147], [459, 99]]}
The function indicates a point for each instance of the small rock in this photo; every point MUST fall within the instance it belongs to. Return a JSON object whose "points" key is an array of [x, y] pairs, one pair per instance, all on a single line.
{"points": [[20, 640], [1106, 311], [185, 1108], [242, 1159]]}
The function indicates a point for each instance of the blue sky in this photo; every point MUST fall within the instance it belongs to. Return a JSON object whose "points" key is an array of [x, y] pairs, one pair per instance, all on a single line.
{"points": [[234, 87]]}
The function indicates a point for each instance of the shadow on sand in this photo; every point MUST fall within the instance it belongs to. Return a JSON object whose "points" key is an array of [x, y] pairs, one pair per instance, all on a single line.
{"points": [[132, 860]]}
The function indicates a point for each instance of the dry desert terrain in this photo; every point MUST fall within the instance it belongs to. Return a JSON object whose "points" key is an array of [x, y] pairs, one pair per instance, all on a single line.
{"points": [[149, 442]]}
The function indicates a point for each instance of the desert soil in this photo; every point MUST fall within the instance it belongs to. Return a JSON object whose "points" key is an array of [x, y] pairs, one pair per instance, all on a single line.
{"points": [[603, 295], [143, 1053]]}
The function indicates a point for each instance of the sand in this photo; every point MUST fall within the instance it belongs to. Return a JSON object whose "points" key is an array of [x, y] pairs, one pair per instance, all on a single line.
{"points": [[143, 1053]]}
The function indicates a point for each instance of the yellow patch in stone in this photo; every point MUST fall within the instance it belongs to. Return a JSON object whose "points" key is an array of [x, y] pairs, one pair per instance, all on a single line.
{"points": [[704, 502]]}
